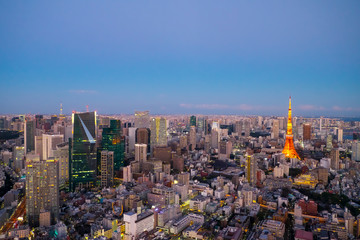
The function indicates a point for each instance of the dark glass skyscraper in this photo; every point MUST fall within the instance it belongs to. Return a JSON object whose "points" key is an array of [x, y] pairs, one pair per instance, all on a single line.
{"points": [[193, 121], [82, 159], [29, 136], [113, 141]]}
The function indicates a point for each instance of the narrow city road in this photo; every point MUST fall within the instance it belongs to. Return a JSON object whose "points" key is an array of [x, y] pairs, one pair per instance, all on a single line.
{"points": [[19, 212]]}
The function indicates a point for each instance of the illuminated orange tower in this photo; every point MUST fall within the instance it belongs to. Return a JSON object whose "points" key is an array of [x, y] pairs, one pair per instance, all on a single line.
{"points": [[289, 149]]}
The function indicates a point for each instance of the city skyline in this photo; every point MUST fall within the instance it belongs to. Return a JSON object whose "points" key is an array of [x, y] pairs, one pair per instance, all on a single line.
{"points": [[181, 58]]}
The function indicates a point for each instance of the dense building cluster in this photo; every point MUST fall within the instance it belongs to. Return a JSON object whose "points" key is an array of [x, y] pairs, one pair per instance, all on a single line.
{"points": [[90, 176]]}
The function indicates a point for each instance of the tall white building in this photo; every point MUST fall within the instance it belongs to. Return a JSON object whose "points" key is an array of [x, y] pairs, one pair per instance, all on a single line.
{"points": [[49, 143], [340, 133], [355, 151], [140, 153]]}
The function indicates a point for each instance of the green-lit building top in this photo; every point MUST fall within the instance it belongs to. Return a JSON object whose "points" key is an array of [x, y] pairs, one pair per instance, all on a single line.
{"points": [[113, 141]]}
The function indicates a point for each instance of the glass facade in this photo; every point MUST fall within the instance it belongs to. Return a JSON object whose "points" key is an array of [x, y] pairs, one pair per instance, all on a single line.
{"points": [[113, 141], [83, 155]]}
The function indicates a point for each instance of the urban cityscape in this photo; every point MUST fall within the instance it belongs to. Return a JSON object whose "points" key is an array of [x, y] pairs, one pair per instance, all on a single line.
{"points": [[187, 120]]}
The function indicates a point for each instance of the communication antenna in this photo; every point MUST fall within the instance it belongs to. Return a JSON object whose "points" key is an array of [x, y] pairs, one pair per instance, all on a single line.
{"points": [[87, 108]]}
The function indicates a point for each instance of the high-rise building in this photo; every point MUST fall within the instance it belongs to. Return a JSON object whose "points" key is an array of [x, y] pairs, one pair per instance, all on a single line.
{"points": [[355, 156], [334, 155], [61, 154], [329, 142], [289, 149], [158, 129], [340, 133], [142, 119], [307, 131], [142, 136], [49, 144], [29, 136], [82, 157], [18, 158], [214, 139], [112, 140], [247, 128], [127, 174], [192, 121], [140, 153], [39, 121], [250, 169], [192, 138], [42, 189], [107, 168], [275, 129], [238, 127]]}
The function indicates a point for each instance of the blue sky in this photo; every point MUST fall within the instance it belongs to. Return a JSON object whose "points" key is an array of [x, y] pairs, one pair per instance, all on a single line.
{"points": [[208, 57]]}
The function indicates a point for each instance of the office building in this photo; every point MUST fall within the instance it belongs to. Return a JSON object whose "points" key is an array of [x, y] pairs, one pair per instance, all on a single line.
{"points": [[192, 121], [334, 155], [29, 136], [192, 138], [250, 169], [355, 156], [82, 157], [42, 189], [61, 154], [107, 168], [141, 153], [238, 127], [340, 133], [158, 132], [142, 119], [49, 143], [306, 131], [112, 140], [275, 129]]}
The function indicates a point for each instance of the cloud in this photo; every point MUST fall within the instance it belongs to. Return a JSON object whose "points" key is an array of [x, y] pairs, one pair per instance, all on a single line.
{"points": [[311, 107], [243, 107], [204, 106], [345, 109], [83, 91]]}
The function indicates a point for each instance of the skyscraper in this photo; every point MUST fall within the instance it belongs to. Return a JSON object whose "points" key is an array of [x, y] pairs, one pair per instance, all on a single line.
{"points": [[289, 149], [275, 128], [29, 136], [140, 153], [158, 129], [334, 155], [340, 133], [82, 158], [307, 131], [192, 121], [238, 127], [355, 151], [192, 138], [42, 189], [112, 140], [107, 168], [49, 144], [247, 128], [142, 119], [251, 168]]}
